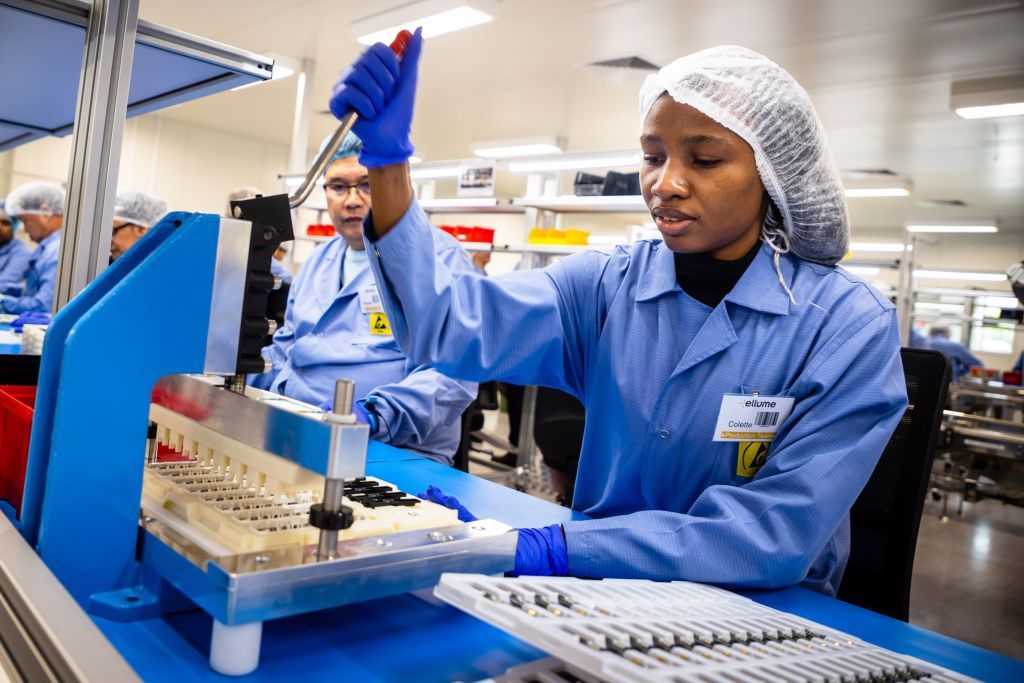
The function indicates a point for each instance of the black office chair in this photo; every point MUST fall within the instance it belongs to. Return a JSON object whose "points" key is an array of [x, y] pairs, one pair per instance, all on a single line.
{"points": [[886, 516], [558, 432]]}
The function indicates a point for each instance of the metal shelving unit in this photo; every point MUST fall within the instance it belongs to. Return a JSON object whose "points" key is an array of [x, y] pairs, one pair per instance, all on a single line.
{"points": [[574, 204]]}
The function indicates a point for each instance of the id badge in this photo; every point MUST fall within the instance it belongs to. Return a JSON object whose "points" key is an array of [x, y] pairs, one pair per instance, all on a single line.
{"points": [[744, 417], [369, 299]]}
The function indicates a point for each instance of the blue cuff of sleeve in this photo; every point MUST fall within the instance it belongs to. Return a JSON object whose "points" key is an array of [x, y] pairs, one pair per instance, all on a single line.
{"points": [[541, 552]]}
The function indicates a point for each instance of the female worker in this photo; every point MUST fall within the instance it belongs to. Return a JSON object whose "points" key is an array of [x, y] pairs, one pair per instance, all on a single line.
{"points": [[739, 387]]}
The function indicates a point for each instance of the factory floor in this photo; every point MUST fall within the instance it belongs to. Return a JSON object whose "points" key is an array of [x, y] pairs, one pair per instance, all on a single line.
{"points": [[969, 575]]}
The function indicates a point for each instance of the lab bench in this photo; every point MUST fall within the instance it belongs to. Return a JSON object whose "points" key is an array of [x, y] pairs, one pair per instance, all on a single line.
{"points": [[413, 637]]}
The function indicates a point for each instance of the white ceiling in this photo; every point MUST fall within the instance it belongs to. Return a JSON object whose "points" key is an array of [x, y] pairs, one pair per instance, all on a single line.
{"points": [[879, 72]]}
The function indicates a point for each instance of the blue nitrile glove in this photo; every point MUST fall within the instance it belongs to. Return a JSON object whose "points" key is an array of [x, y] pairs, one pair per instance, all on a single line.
{"points": [[362, 415], [381, 88], [541, 552], [436, 495], [30, 318]]}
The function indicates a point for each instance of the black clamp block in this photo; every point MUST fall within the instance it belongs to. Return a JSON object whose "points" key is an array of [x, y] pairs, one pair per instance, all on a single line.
{"points": [[330, 521]]}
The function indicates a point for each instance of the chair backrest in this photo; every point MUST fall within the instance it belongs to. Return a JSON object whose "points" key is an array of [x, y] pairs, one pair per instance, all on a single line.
{"points": [[885, 518], [558, 428]]}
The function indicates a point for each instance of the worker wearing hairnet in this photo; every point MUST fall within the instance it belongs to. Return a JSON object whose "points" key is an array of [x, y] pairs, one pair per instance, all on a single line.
{"points": [[135, 212], [14, 255], [39, 206], [739, 388], [335, 328], [959, 355]]}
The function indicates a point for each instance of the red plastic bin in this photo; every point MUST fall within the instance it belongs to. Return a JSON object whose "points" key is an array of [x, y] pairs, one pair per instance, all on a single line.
{"points": [[465, 233], [17, 405]]}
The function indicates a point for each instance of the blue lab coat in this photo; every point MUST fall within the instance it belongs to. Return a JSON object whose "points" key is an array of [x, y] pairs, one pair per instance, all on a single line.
{"points": [[40, 279], [958, 354], [326, 336], [651, 365], [14, 264]]}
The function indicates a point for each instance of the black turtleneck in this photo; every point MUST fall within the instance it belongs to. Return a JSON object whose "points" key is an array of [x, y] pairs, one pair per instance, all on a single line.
{"points": [[707, 279]]}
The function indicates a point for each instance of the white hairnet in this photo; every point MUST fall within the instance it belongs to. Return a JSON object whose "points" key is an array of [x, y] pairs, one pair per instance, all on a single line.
{"points": [[758, 100], [138, 208], [38, 198], [244, 192]]}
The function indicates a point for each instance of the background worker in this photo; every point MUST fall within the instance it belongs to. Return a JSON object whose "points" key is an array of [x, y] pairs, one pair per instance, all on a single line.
{"points": [[14, 255], [334, 327], [39, 206], [959, 355], [663, 341], [135, 212]]}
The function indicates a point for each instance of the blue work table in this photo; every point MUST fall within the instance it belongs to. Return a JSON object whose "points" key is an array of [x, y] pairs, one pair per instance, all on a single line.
{"points": [[406, 638]]}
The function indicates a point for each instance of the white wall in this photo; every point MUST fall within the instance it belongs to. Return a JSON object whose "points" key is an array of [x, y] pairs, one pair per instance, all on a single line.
{"points": [[190, 167]]}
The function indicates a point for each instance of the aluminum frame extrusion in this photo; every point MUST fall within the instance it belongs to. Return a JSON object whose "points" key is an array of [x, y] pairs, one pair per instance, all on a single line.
{"points": [[47, 635], [96, 148]]}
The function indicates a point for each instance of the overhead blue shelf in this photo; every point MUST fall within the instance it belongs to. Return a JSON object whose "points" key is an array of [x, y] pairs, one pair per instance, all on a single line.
{"points": [[43, 45]]}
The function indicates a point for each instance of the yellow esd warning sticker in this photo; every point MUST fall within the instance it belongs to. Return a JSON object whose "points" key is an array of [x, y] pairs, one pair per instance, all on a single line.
{"points": [[750, 456], [379, 324]]}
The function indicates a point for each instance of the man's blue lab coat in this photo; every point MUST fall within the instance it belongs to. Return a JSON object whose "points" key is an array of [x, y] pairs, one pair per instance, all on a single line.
{"points": [[327, 336], [40, 279], [14, 265]]}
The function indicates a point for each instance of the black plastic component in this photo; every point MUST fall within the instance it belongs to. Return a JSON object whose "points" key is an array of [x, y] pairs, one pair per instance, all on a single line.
{"points": [[271, 220], [621, 184], [330, 521]]}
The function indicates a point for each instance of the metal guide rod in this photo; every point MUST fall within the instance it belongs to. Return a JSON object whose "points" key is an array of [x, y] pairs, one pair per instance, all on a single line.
{"points": [[96, 146], [320, 165], [334, 488]]}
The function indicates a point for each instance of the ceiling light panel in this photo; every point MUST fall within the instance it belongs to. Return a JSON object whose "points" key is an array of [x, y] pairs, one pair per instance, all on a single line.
{"points": [[959, 275], [857, 193], [507, 150], [951, 228], [983, 98], [576, 161], [878, 247], [436, 17]]}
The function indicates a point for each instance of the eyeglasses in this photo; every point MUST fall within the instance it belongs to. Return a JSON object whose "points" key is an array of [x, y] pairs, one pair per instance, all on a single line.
{"points": [[342, 190], [119, 227]]}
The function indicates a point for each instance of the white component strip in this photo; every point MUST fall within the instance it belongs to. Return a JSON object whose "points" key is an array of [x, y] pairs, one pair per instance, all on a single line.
{"points": [[635, 630]]}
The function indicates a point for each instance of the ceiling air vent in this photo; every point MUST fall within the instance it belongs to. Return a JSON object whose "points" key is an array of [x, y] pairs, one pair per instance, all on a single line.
{"points": [[631, 62]]}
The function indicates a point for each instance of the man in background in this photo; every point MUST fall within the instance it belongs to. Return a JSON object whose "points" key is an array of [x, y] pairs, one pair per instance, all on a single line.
{"points": [[14, 255], [335, 328], [135, 212], [961, 358], [39, 205]]}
